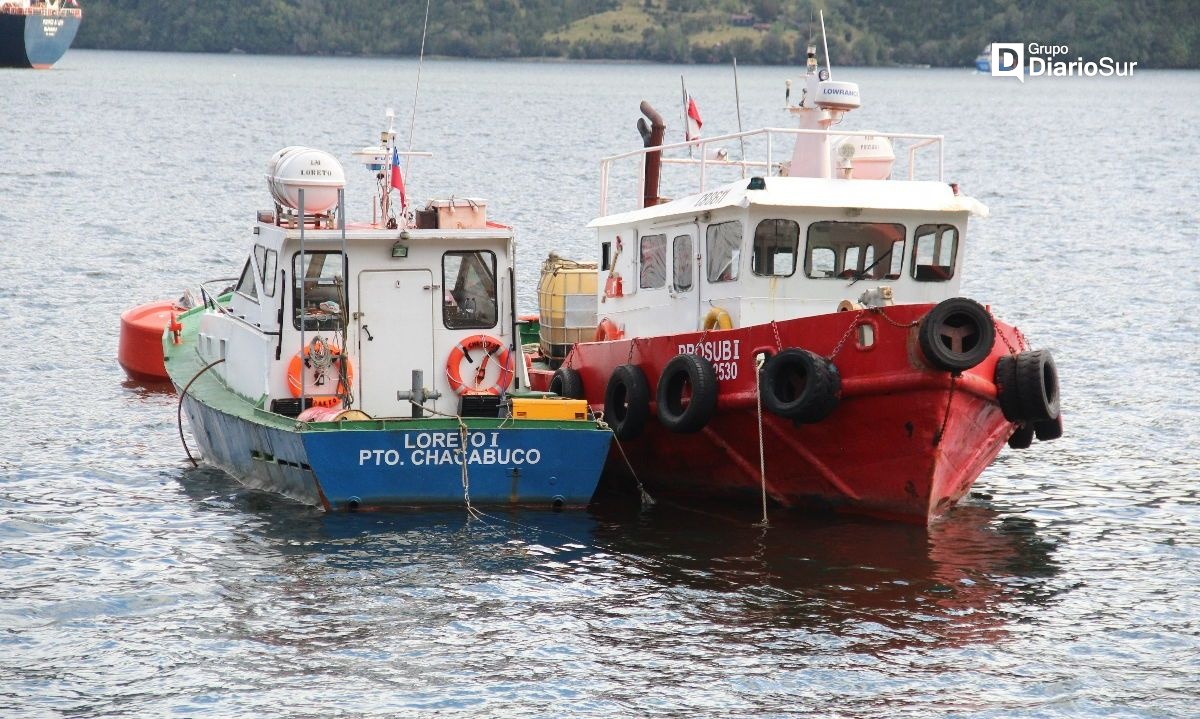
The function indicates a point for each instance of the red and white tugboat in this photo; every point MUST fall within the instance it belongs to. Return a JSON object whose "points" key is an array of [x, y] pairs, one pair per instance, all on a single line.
{"points": [[836, 271]]}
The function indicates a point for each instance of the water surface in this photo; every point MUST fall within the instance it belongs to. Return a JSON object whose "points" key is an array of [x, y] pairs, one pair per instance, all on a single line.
{"points": [[133, 585]]}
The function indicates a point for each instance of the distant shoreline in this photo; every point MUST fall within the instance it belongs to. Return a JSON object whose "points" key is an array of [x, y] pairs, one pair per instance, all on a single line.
{"points": [[553, 60]]}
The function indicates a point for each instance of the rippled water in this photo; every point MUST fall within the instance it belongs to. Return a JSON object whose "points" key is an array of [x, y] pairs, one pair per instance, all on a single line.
{"points": [[132, 585]]}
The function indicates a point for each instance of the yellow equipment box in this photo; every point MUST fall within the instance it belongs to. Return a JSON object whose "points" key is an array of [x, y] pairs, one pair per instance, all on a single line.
{"points": [[548, 408]]}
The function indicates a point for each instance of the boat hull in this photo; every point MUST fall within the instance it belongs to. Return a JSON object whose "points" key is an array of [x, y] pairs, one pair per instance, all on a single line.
{"points": [[349, 465], [904, 442], [38, 39]]}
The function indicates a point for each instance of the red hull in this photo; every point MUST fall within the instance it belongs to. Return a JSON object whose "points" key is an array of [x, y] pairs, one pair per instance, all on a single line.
{"points": [[140, 350], [905, 441]]}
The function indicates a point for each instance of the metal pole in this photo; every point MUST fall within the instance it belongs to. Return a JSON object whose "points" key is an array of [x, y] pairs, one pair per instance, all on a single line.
{"points": [[737, 95], [303, 274]]}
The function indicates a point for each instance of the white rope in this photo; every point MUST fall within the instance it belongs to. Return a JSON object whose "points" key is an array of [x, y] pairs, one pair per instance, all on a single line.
{"points": [[762, 457], [463, 434]]}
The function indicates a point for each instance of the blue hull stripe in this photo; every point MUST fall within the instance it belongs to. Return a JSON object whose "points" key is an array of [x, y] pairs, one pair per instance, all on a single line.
{"points": [[507, 465]]}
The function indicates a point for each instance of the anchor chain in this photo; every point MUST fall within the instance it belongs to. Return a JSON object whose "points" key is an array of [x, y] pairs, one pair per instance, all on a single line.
{"points": [[849, 330]]}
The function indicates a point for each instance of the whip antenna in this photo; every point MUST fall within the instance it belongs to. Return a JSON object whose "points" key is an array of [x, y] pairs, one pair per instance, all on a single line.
{"points": [[420, 63], [825, 40], [737, 98]]}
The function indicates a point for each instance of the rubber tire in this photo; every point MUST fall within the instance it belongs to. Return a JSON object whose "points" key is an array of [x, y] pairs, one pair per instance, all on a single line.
{"points": [[1049, 430], [809, 403], [1022, 438], [1037, 386], [956, 312], [566, 382], [627, 401], [698, 373], [1007, 392]]}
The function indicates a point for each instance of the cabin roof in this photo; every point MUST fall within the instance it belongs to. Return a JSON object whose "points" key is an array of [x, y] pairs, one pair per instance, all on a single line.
{"points": [[912, 195], [368, 232]]}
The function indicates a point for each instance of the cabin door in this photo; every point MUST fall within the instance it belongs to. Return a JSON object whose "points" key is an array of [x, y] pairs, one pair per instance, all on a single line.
{"points": [[395, 337], [684, 252]]}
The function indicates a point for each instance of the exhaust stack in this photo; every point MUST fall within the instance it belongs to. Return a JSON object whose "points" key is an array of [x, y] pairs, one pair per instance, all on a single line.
{"points": [[652, 136]]}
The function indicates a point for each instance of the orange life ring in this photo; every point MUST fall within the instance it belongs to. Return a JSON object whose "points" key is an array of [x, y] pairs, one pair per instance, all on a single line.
{"points": [[607, 331], [493, 349], [302, 360]]}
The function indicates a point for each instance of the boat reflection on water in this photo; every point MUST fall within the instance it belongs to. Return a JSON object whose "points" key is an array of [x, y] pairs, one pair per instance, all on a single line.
{"points": [[864, 585], [885, 584]]}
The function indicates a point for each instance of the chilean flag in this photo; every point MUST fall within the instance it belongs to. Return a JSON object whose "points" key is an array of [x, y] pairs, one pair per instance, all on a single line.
{"points": [[694, 123], [397, 178]]}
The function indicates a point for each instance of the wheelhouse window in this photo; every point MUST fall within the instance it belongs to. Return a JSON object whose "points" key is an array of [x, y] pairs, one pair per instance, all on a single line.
{"points": [[724, 245], [681, 255], [469, 290], [935, 247], [268, 266], [775, 245], [854, 250], [653, 271], [322, 277], [245, 285]]}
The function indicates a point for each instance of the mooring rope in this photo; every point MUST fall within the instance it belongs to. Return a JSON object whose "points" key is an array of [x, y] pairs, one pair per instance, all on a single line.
{"points": [[179, 409], [644, 496], [762, 455]]}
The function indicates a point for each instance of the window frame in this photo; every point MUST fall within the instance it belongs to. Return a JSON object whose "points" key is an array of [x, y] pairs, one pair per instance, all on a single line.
{"points": [[249, 270], [939, 231], [735, 254], [267, 254], [299, 277], [642, 266], [841, 250], [691, 254], [755, 244], [495, 290]]}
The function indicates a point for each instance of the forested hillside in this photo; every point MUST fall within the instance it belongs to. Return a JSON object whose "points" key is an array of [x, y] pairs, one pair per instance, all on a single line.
{"points": [[1156, 33]]}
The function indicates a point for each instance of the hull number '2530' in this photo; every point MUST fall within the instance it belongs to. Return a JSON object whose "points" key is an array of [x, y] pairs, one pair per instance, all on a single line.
{"points": [[438, 448], [724, 355]]}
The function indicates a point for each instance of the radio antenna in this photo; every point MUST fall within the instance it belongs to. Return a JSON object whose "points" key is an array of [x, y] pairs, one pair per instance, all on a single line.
{"points": [[737, 95], [825, 40], [420, 63]]}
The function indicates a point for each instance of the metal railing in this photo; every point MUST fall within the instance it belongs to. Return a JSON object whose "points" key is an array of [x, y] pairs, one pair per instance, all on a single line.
{"points": [[912, 144]]}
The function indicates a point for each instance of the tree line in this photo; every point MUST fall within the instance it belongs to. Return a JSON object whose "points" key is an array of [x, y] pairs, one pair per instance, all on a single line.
{"points": [[1156, 33]]}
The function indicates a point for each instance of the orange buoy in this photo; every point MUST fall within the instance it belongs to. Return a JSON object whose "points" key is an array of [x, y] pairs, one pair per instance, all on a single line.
{"points": [[139, 350]]}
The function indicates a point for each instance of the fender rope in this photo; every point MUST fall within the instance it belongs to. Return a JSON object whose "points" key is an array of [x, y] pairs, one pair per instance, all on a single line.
{"points": [[762, 457]]}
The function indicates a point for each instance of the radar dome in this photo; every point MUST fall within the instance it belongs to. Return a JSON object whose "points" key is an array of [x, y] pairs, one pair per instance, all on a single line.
{"points": [[833, 95]]}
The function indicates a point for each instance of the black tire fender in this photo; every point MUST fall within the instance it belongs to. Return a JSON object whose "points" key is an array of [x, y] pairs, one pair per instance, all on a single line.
{"points": [[1022, 437], [566, 382], [956, 334], [1050, 429], [627, 401], [695, 376], [800, 385], [1007, 392], [1037, 384]]}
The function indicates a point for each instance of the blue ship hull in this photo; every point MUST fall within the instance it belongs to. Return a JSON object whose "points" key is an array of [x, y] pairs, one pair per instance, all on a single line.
{"points": [[36, 40], [342, 466]]}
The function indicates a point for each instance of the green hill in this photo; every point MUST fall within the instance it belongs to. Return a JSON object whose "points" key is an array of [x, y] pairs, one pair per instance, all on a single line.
{"points": [[1156, 33]]}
